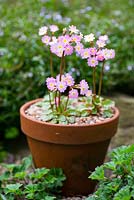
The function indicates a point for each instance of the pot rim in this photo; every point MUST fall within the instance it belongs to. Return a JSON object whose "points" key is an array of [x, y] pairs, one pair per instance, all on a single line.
{"points": [[27, 104]]}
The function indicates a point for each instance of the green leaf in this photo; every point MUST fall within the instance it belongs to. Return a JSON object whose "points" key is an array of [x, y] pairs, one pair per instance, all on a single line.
{"points": [[71, 119], [12, 188], [110, 165], [39, 173], [123, 194], [107, 103], [26, 162], [3, 197], [47, 117], [20, 175], [62, 118], [98, 174], [107, 113]]}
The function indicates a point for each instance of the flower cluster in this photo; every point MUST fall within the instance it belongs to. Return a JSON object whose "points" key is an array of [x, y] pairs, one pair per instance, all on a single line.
{"points": [[87, 47], [72, 40], [64, 82]]}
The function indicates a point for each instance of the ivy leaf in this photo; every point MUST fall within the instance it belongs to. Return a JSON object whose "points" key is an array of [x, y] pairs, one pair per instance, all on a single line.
{"points": [[39, 173], [123, 194], [12, 188], [98, 174], [110, 165]]}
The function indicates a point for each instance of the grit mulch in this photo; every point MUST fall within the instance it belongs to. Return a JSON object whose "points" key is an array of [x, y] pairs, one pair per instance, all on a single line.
{"points": [[124, 136]]}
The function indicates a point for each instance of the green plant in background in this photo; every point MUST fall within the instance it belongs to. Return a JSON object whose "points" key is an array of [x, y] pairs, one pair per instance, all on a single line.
{"points": [[120, 184], [22, 181], [22, 59]]}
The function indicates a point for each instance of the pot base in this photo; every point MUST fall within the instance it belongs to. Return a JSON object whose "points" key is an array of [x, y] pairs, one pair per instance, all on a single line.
{"points": [[77, 161]]}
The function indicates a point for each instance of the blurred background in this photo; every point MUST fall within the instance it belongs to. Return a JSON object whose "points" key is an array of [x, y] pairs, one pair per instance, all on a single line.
{"points": [[24, 62]]}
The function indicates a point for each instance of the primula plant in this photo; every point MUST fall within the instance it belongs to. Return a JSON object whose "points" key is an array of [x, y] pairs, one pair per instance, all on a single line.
{"points": [[69, 101], [120, 184]]}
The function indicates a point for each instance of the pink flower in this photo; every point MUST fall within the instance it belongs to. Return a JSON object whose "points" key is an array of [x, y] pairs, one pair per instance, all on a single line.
{"points": [[108, 53], [64, 39], [57, 48], [51, 83], [76, 38], [62, 78], [103, 37], [73, 94], [101, 43], [88, 93], [92, 62], [68, 50], [46, 39], [83, 87], [43, 30], [78, 48], [93, 51], [69, 80], [73, 29], [85, 53], [53, 28], [61, 86], [100, 56]]}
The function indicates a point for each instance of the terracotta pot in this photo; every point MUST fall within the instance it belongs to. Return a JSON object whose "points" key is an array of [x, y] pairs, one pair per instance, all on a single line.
{"points": [[77, 149]]}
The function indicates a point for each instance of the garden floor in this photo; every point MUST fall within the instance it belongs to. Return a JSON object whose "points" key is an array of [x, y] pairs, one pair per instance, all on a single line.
{"points": [[124, 136]]}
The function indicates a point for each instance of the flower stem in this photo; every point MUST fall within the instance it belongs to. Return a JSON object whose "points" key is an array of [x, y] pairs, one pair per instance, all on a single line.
{"points": [[50, 101], [51, 64], [55, 99], [101, 77], [66, 103], [94, 80], [61, 65], [64, 64]]}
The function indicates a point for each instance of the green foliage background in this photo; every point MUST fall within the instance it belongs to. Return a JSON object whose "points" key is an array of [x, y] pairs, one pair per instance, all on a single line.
{"points": [[24, 62]]}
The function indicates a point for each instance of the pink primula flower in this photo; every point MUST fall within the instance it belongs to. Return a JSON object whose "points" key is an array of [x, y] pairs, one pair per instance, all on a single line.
{"points": [[78, 48], [83, 87], [108, 53], [103, 37], [93, 51], [100, 56], [73, 94], [53, 28], [69, 80], [61, 86], [88, 93], [68, 50], [100, 43], [92, 62], [85, 53], [76, 38], [64, 39], [46, 39], [51, 83]]}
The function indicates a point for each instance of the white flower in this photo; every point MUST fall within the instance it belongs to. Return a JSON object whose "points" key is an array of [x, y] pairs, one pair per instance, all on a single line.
{"points": [[43, 30], [73, 29], [89, 38]]}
